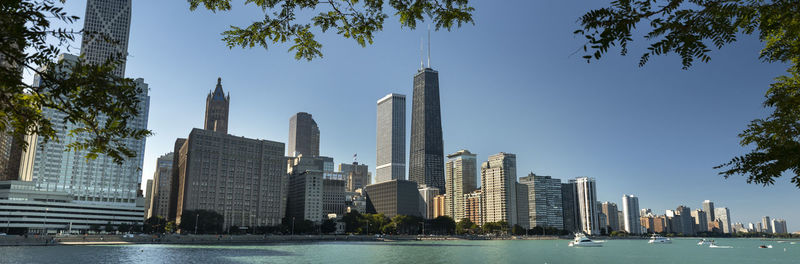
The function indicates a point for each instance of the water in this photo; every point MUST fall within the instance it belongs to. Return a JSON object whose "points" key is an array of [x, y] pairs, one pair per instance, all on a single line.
{"points": [[682, 251]]}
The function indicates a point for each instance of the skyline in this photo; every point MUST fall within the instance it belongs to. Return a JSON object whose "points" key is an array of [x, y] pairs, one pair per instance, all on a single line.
{"points": [[549, 143]]}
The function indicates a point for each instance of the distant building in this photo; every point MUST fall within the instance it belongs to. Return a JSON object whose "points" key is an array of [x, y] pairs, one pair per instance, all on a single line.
{"points": [[306, 188], [356, 175], [333, 197], [439, 206], [426, 157], [586, 197], [391, 138], [523, 211], [570, 207], [303, 135], [660, 224], [473, 207], [686, 222], [767, 224], [779, 226], [391, 198], [630, 207], [498, 184], [217, 108], [648, 223], [724, 216], [162, 186], [175, 183], [11, 153], [243, 179], [610, 210], [462, 178], [700, 221], [544, 201], [427, 195], [708, 207], [148, 199]]}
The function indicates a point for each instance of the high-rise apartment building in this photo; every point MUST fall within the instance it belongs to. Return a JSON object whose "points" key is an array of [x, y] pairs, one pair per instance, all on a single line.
{"points": [[570, 207], [98, 180], [630, 207], [779, 226], [767, 224], [498, 184], [303, 135], [462, 178], [217, 108], [610, 210], [473, 207], [243, 179], [305, 197], [148, 199], [523, 211], [175, 183], [106, 31], [439, 206], [426, 161], [724, 217], [427, 202], [391, 138], [686, 222], [586, 198], [162, 185], [700, 221], [708, 207], [545, 208]]}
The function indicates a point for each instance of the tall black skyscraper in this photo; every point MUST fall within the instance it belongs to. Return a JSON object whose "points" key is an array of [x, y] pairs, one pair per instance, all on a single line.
{"points": [[426, 162]]}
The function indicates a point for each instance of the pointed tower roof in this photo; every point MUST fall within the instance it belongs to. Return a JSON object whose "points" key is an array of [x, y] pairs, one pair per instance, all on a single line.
{"points": [[218, 93]]}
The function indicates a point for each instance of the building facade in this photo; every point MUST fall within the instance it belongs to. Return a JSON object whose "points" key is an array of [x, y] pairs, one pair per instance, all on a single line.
{"points": [[305, 197], [473, 207], [724, 217], [610, 210], [426, 160], [395, 197], [767, 223], [162, 186], [427, 202], [217, 108], [686, 222], [570, 206], [700, 221], [708, 207], [630, 207], [586, 198], [439, 206], [498, 184], [303, 135], [545, 205], [391, 138], [243, 179], [106, 28], [462, 178], [356, 175], [333, 197]]}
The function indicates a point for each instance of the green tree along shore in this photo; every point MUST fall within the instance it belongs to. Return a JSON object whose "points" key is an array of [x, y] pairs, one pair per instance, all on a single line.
{"points": [[690, 28]]}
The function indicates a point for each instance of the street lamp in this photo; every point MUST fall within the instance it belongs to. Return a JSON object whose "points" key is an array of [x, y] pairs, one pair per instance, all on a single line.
{"points": [[292, 225], [45, 220], [196, 218]]}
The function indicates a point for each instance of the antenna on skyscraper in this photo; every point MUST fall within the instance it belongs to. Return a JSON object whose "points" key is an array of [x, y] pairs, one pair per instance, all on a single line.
{"points": [[429, 45], [421, 53]]}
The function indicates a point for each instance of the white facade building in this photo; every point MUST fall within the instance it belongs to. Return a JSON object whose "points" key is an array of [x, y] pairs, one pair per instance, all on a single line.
{"points": [[630, 208], [391, 138], [586, 198]]}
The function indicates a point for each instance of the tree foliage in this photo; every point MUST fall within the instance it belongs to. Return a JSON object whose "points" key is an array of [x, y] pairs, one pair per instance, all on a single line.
{"points": [[353, 19], [204, 221], [691, 28], [90, 96]]}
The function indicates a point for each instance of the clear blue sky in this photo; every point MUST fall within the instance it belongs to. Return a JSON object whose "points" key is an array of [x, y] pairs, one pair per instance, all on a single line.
{"points": [[510, 83]]}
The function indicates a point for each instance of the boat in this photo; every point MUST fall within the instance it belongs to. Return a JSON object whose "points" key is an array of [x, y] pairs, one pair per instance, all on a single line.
{"points": [[658, 239], [582, 241], [714, 245], [703, 242], [765, 246]]}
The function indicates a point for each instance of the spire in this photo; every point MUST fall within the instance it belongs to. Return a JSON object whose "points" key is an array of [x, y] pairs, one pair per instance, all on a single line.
{"points": [[421, 53], [429, 45], [218, 93]]}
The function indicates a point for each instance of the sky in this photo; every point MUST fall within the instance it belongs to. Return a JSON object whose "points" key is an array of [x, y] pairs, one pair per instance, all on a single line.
{"points": [[513, 82]]}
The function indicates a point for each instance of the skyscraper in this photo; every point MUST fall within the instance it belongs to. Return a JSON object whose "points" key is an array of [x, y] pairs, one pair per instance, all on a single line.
{"points": [[544, 201], [217, 107], [767, 224], [106, 30], [162, 185], [462, 178], [700, 221], [99, 180], [356, 175], [724, 216], [303, 135], [427, 203], [426, 162], [708, 207], [686, 222], [630, 207], [610, 210], [523, 211], [586, 198], [779, 226], [570, 206], [498, 183], [391, 138]]}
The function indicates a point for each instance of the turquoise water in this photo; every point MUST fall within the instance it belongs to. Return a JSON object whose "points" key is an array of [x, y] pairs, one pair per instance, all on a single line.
{"points": [[510, 251]]}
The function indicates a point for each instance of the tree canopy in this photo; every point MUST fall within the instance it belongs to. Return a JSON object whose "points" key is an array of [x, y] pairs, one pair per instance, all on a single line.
{"points": [[97, 102], [353, 19], [691, 28]]}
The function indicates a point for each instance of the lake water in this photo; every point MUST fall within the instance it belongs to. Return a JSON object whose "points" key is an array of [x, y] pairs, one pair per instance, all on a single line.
{"points": [[682, 251]]}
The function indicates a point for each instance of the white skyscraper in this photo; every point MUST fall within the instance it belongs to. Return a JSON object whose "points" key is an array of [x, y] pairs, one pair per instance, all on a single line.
{"points": [[630, 208], [391, 138], [586, 198], [724, 216], [767, 224]]}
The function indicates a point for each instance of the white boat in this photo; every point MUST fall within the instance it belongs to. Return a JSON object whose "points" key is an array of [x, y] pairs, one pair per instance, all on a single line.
{"points": [[704, 242], [714, 245], [582, 241], [658, 239]]}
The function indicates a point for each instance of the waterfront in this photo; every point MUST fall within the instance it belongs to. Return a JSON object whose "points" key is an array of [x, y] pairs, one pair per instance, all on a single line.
{"points": [[462, 251]]}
